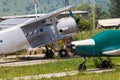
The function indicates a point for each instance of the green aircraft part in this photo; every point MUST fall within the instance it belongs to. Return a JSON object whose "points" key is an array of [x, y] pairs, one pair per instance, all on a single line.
{"points": [[105, 41]]}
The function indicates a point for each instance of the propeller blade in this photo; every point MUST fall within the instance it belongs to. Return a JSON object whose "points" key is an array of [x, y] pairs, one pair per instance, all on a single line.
{"points": [[71, 14], [77, 20]]}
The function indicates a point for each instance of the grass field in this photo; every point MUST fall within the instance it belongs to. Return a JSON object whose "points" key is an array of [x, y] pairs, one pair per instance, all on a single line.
{"points": [[115, 75], [58, 66], [91, 76]]}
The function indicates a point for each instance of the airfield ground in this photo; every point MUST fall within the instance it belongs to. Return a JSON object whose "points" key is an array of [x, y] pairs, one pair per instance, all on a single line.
{"points": [[24, 60], [41, 68], [28, 60]]}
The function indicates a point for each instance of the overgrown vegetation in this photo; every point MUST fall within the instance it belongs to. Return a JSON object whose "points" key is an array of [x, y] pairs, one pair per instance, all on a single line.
{"points": [[85, 34], [114, 8]]}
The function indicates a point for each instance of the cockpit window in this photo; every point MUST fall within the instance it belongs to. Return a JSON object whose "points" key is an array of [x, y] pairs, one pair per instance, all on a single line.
{"points": [[47, 22]]}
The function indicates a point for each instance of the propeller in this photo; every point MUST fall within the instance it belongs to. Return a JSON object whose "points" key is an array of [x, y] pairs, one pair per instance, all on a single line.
{"points": [[77, 20], [72, 15]]}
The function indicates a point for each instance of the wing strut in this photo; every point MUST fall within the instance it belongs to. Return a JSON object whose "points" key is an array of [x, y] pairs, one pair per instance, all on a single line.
{"points": [[55, 26]]}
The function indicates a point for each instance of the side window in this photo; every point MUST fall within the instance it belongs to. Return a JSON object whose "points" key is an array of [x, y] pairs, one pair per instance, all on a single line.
{"points": [[41, 30], [31, 33], [26, 34], [36, 31]]}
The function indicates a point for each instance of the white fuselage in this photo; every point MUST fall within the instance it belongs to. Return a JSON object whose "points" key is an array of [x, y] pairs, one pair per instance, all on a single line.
{"points": [[23, 37], [12, 40]]}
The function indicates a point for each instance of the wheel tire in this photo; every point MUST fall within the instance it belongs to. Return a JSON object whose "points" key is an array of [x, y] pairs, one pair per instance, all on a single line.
{"points": [[63, 53], [82, 67], [106, 64], [49, 54]]}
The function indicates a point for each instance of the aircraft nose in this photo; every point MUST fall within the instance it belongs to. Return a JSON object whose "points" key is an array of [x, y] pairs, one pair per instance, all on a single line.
{"points": [[84, 47]]}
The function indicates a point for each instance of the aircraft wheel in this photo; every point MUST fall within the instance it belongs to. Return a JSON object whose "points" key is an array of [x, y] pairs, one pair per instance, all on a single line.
{"points": [[82, 67], [49, 54], [106, 64], [63, 53]]}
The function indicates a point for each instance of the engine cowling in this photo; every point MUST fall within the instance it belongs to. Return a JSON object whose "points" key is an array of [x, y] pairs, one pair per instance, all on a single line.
{"points": [[67, 25]]}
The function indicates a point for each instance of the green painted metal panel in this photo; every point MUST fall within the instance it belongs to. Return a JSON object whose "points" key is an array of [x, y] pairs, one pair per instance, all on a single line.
{"points": [[85, 50], [107, 41]]}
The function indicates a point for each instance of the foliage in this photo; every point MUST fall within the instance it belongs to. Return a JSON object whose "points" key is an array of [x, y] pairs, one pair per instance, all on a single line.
{"points": [[85, 7], [13, 7], [87, 23], [100, 13], [114, 8], [85, 34], [84, 24]]}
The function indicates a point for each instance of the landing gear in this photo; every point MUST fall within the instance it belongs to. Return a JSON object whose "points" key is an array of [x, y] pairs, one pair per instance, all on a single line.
{"points": [[106, 63], [49, 53], [63, 53], [82, 66]]}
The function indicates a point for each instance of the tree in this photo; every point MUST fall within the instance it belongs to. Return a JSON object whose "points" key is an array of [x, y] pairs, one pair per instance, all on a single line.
{"points": [[100, 13], [84, 24], [85, 7], [87, 24], [114, 8]]}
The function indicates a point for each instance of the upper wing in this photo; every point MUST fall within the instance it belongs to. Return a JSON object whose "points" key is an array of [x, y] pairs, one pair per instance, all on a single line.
{"points": [[22, 16], [51, 14]]}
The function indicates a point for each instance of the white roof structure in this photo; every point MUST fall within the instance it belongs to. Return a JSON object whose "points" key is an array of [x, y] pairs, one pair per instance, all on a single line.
{"points": [[109, 22]]}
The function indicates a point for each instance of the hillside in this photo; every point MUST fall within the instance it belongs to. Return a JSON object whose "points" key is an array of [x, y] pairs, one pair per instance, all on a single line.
{"points": [[20, 7]]}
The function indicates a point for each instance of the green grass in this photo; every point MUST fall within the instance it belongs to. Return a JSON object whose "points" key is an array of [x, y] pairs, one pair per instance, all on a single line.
{"points": [[52, 67], [114, 75], [91, 76], [58, 66]]}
